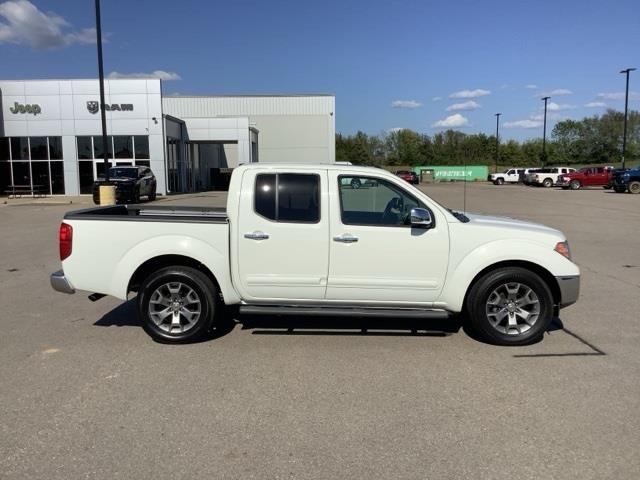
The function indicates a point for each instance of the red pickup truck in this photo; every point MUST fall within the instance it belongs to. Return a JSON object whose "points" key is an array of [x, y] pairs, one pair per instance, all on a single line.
{"points": [[587, 177]]}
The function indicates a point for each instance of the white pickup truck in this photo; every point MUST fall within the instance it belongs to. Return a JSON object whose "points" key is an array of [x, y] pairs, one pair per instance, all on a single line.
{"points": [[300, 240]]}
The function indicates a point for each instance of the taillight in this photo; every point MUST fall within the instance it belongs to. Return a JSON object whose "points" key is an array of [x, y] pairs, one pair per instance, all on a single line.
{"points": [[66, 240]]}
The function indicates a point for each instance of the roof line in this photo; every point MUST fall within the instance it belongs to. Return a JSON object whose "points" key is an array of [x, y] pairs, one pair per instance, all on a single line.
{"points": [[252, 95]]}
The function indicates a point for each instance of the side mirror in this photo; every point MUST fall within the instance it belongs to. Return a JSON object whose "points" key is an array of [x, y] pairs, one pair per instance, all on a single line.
{"points": [[421, 217]]}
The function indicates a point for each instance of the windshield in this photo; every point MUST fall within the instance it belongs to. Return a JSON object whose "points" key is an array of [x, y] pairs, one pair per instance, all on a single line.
{"points": [[123, 172]]}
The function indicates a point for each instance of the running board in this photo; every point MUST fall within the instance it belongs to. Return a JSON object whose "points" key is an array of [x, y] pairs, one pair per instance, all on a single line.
{"points": [[343, 311]]}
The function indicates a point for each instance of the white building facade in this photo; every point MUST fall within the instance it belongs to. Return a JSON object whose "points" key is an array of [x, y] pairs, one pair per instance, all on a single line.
{"points": [[51, 136]]}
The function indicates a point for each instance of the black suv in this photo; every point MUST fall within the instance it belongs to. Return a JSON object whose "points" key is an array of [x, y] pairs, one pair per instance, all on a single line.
{"points": [[131, 183]]}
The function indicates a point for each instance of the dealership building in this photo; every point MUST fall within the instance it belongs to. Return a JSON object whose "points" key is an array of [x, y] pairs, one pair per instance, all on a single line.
{"points": [[51, 136]]}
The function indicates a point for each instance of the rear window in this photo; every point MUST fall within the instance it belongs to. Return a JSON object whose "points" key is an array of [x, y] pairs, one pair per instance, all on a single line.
{"points": [[288, 197]]}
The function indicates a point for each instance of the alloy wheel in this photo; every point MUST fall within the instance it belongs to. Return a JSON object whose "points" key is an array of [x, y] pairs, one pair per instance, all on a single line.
{"points": [[512, 308]]}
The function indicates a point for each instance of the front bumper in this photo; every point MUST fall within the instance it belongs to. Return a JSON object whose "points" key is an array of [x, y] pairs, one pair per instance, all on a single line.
{"points": [[60, 283], [569, 289]]}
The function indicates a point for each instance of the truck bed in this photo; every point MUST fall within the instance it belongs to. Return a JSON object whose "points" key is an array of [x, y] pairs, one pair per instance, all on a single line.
{"points": [[155, 213]]}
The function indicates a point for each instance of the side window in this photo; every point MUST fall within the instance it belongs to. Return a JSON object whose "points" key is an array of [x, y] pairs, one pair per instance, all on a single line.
{"points": [[288, 197], [370, 201], [511, 172]]}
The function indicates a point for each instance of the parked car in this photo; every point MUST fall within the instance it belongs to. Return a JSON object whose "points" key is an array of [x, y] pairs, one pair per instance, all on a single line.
{"points": [[627, 180], [131, 183], [298, 240], [548, 177], [512, 175], [408, 176], [587, 177], [527, 178]]}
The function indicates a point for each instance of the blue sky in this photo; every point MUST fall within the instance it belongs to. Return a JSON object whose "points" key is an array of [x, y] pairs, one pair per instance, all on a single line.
{"points": [[391, 64]]}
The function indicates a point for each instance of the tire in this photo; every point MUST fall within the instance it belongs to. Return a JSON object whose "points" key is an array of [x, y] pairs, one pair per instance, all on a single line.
{"points": [[619, 188], [547, 182], [634, 187], [355, 183], [500, 181], [136, 195], [152, 194], [194, 292], [575, 185], [490, 314]]}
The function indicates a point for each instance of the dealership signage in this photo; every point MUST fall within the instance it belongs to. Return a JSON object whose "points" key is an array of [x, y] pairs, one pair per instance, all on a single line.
{"points": [[32, 108], [94, 107]]}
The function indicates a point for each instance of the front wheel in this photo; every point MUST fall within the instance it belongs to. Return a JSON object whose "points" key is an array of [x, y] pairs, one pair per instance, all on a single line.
{"points": [[510, 306], [177, 305], [575, 185], [152, 194], [634, 187], [619, 188]]}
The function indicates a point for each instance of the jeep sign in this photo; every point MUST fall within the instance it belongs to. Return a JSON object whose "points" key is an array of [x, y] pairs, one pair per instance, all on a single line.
{"points": [[33, 108]]}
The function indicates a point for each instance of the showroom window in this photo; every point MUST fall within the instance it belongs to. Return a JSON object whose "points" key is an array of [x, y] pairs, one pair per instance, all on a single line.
{"points": [[32, 162], [129, 147]]}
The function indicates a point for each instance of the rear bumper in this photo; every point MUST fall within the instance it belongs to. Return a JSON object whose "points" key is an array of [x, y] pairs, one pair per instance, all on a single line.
{"points": [[60, 283], [569, 289]]}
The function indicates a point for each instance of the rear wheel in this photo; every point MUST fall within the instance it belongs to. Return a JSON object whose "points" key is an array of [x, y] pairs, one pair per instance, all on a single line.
{"points": [[177, 304], [575, 185], [634, 187], [547, 182], [499, 181], [510, 306]]}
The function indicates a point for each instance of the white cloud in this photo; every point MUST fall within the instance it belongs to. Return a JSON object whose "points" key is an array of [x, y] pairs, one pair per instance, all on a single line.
{"points": [[557, 107], [478, 92], [436, 99], [161, 74], [618, 95], [452, 121], [531, 86], [596, 105], [470, 105], [24, 24], [528, 123], [558, 92], [395, 129], [405, 104]]}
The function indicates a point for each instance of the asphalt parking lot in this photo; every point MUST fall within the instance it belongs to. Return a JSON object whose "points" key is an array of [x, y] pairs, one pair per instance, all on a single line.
{"points": [[86, 394]]}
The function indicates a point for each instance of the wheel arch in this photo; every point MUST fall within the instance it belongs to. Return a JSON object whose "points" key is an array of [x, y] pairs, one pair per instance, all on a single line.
{"points": [[538, 269]]}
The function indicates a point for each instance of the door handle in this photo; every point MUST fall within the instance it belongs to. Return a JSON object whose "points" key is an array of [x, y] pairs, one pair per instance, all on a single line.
{"points": [[345, 238], [257, 235]]}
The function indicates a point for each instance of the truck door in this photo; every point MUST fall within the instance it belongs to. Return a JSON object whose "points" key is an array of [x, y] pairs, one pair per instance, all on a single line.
{"points": [[374, 255], [283, 236]]}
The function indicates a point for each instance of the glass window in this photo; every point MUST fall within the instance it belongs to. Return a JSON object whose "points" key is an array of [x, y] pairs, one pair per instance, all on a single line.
{"points": [[55, 148], [141, 143], [144, 163], [21, 174], [265, 196], [86, 176], [39, 148], [85, 149], [122, 147], [98, 150], [57, 178], [374, 202], [4, 148], [298, 198], [40, 176], [5, 176], [100, 168], [19, 148]]}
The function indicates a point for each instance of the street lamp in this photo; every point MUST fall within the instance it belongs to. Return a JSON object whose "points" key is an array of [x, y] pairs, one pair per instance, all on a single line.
{"points": [[107, 192], [626, 108], [497, 138], [544, 133]]}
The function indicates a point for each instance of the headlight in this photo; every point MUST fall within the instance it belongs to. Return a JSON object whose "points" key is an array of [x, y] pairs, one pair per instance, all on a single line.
{"points": [[563, 249]]}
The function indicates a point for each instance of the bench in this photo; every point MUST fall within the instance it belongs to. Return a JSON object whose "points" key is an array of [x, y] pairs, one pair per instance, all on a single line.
{"points": [[17, 191]]}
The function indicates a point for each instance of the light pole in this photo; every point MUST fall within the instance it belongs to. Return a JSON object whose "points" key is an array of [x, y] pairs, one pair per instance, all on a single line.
{"points": [[107, 192], [544, 133], [497, 138], [626, 108]]}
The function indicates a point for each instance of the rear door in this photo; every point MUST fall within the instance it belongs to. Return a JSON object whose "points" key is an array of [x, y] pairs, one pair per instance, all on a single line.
{"points": [[375, 256], [283, 237]]}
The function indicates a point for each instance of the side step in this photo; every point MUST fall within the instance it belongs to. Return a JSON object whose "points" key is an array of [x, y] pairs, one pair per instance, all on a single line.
{"points": [[343, 311]]}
